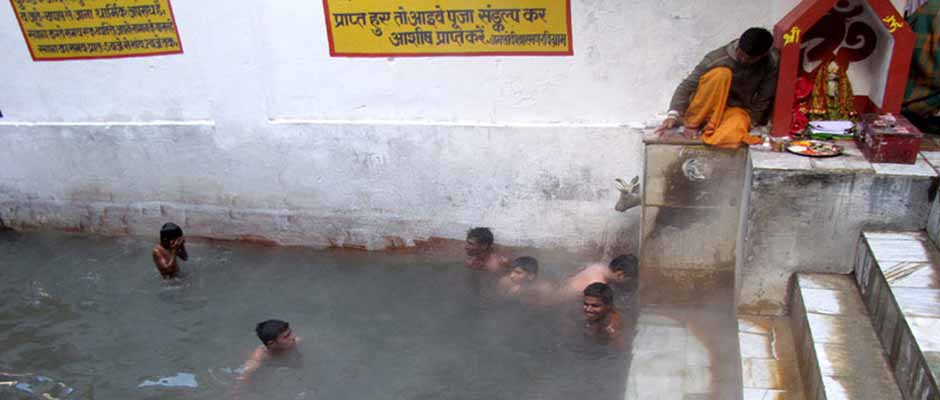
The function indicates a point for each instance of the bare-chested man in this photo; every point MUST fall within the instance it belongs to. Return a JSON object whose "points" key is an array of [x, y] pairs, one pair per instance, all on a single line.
{"points": [[171, 247], [602, 322], [522, 283], [480, 252], [622, 273], [277, 340]]}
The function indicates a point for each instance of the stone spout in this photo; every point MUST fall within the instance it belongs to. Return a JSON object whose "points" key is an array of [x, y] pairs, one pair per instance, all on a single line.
{"points": [[629, 194]]}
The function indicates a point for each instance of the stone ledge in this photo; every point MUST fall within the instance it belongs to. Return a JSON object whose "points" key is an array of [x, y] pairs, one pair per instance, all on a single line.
{"points": [[839, 353], [898, 274]]}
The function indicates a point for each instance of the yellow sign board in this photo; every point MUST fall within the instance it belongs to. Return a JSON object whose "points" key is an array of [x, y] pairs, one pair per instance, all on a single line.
{"points": [[382, 28], [82, 29]]}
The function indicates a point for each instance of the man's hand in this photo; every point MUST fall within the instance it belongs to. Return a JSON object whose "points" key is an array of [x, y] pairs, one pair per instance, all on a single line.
{"points": [[177, 243], [671, 122]]}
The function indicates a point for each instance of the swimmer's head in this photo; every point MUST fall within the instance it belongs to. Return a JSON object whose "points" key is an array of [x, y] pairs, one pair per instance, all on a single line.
{"points": [[169, 232], [625, 268], [524, 269], [275, 334], [598, 301], [479, 241]]}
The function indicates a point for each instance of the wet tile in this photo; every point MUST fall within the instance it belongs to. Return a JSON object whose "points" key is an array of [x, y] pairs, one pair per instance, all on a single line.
{"points": [[758, 325], [838, 359], [824, 281], [766, 374], [756, 346], [860, 387], [918, 302], [919, 168], [911, 274], [830, 329], [833, 302], [917, 235], [925, 331], [899, 250]]}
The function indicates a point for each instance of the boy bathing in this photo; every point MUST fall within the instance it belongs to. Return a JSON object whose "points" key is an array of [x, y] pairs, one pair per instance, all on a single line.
{"points": [[171, 247], [522, 282]]}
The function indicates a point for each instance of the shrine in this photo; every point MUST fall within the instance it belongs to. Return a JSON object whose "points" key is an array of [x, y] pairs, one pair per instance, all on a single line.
{"points": [[839, 59]]}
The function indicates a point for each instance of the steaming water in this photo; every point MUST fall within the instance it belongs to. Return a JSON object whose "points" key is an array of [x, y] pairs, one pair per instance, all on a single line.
{"points": [[88, 318]]}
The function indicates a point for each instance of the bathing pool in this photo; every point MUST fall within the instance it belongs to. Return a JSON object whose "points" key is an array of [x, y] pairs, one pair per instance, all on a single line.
{"points": [[87, 317]]}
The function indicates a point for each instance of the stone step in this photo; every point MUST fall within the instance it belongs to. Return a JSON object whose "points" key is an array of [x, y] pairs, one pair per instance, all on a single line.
{"points": [[898, 274], [839, 354], [769, 369]]}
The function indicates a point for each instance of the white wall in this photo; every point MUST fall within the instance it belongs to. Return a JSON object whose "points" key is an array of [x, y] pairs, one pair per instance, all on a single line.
{"points": [[256, 117]]}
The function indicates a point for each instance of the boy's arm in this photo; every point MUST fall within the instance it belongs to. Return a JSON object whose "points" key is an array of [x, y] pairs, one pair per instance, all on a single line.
{"points": [[165, 264], [248, 369]]}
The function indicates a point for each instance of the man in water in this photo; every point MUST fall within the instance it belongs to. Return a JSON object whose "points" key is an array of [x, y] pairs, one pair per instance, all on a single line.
{"points": [[171, 247], [480, 253], [278, 342], [622, 273], [522, 282], [729, 91], [602, 322]]}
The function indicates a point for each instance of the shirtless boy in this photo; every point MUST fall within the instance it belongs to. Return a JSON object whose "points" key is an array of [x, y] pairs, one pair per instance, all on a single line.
{"points": [[622, 272], [602, 322], [480, 252], [277, 340], [171, 247], [522, 282]]}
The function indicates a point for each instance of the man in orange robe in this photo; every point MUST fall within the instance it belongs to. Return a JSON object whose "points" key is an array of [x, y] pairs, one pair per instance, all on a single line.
{"points": [[729, 91]]}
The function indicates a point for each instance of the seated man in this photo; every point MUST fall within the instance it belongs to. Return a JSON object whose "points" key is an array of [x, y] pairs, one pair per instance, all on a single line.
{"points": [[277, 340], [172, 245], [729, 91], [480, 252], [602, 322], [522, 282], [622, 273]]}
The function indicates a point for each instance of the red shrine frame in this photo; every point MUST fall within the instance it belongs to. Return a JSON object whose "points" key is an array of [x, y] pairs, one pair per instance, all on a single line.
{"points": [[788, 39]]}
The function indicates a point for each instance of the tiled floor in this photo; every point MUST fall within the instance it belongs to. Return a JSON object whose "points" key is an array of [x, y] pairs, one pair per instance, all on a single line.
{"points": [[677, 355], [769, 367]]}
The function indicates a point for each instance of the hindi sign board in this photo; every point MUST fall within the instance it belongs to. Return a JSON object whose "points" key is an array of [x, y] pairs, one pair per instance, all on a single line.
{"points": [[84, 29], [382, 28]]}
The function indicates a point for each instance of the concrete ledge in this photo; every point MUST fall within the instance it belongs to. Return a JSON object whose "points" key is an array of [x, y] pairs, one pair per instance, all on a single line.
{"points": [[805, 215], [839, 353], [899, 277]]}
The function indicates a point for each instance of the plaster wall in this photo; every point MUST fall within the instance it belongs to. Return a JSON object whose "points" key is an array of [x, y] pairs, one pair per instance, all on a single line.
{"points": [[255, 123]]}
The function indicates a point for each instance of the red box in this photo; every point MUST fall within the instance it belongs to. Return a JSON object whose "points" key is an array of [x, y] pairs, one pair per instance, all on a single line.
{"points": [[898, 144]]}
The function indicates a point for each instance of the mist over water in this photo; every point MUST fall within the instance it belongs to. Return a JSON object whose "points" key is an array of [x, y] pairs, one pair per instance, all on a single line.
{"points": [[90, 314]]}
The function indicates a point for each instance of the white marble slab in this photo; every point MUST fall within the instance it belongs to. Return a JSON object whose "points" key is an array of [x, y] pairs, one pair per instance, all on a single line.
{"points": [[919, 168], [784, 161]]}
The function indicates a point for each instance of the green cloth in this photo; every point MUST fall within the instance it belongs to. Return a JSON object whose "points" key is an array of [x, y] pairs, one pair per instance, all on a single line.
{"points": [[922, 97], [752, 87]]}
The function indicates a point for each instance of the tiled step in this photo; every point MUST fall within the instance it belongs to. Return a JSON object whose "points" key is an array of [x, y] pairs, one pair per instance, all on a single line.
{"points": [[769, 369], [839, 353], [898, 274]]}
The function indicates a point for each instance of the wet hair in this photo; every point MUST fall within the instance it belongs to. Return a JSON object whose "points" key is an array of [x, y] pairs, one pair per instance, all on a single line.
{"points": [[481, 235], [528, 264], [170, 231], [601, 291], [626, 263], [269, 330], [756, 41]]}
